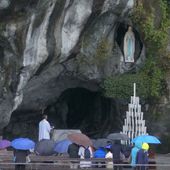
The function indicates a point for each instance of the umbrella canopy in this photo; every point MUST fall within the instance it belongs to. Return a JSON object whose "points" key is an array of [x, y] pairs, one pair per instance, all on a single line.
{"points": [[101, 142], [80, 139], [61, 134], [117, 136], [45, 147], [23, 144], [147, 139], [4, 143], [62, 146]]}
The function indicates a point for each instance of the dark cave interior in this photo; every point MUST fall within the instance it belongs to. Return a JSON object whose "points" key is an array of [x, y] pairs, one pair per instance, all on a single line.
{"points": [[76, 108]]}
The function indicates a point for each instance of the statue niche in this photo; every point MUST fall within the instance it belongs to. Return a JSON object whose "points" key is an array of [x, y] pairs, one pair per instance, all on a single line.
{"points": [[129, 45]]}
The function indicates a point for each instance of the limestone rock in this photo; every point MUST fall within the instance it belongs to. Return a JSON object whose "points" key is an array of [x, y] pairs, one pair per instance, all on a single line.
{"points": [[50, 46]]}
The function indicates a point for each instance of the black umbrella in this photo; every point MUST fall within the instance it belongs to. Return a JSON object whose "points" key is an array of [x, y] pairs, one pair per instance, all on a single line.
{"points": [[117, 136], [101, 142], [45, 147]]}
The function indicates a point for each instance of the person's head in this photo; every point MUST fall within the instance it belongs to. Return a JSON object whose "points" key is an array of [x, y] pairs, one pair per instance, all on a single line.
{"points": [[130, 28], [45, 116], [145, 146]]}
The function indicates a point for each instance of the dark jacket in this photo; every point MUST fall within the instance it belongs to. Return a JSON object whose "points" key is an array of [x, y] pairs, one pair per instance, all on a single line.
{"points": [[20, 156], [73, 150], [142, 157], [116, 149]]}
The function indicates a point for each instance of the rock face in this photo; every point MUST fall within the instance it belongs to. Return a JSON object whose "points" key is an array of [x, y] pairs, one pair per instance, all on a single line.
{"points": [[4, 4], [51, 46]]}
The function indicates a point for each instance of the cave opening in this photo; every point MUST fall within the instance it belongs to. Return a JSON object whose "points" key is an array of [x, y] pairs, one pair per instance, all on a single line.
{"points": [[76, 108], [80, 108]]}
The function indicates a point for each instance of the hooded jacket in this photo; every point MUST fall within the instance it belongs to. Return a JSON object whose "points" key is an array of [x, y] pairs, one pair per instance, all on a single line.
{"points": [[99, 153], [135, 149]]}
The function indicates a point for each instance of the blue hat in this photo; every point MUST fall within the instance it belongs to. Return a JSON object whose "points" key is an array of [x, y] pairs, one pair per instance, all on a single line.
{"points": [[108, 146]]}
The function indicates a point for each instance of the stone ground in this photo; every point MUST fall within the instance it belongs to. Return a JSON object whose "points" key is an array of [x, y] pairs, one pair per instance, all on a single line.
{"points": [[163, 161]]}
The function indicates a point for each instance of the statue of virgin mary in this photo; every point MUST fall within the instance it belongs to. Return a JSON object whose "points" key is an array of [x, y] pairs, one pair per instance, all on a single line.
{"points": [[129, 45]]}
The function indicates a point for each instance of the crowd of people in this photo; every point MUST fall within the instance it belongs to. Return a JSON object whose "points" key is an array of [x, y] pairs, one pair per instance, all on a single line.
{"points": [[114, 151]]}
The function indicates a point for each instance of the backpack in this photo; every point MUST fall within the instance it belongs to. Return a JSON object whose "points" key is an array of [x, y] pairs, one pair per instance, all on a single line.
{"points": [[87, 153]]}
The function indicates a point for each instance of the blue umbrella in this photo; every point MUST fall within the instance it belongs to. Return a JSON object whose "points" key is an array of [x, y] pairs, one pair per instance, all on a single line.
{"points": [[23, 144], [147, 139], [62, 146]]}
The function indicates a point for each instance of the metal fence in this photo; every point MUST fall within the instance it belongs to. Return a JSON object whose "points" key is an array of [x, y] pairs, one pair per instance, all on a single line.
{"points": [[65, 166]]}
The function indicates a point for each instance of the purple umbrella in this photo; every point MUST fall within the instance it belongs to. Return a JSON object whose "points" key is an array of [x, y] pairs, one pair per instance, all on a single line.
{"points": [[4, 143]]}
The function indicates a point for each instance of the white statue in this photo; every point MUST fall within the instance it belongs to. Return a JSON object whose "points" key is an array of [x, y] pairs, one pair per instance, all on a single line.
{"points": [[129, 45]]}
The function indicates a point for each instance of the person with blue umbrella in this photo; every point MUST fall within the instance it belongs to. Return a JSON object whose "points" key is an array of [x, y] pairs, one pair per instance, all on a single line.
{"points": [[20, 158], [134, 151], [142, 157], [21, 151]]}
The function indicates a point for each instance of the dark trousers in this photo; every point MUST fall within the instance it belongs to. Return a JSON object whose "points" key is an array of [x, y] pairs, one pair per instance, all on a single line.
{"points": [[142, 168], [19, 167], [117, 167]]}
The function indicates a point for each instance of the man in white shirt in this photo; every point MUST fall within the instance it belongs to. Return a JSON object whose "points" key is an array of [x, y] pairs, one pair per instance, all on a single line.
{"points": [[44, 128]]}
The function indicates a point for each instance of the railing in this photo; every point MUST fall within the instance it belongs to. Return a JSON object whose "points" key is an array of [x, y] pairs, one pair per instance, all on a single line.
{"points": [[64, 163], [65, 166]]}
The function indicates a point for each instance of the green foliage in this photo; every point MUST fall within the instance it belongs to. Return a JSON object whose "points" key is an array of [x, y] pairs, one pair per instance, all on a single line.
{"points": [[148, 81], [155, 36], [121, 86], [102, 52], [154, 76]]}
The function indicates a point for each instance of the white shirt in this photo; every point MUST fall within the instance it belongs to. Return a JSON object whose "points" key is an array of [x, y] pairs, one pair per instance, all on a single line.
{"points": [[85, 164], [44, 130], [109, 155], [109, 164]]}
